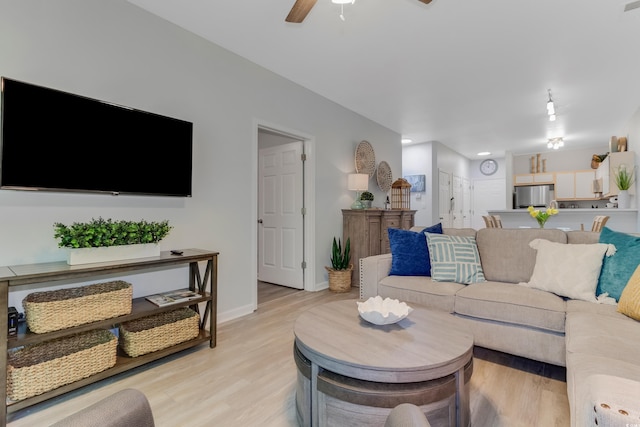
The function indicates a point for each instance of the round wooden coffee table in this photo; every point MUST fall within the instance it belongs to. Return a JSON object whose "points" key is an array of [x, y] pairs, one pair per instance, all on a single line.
{"points": [[351, 370]]}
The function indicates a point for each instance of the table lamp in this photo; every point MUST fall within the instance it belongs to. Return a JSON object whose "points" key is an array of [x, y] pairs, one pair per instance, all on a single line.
{"points": [[357, 182]]}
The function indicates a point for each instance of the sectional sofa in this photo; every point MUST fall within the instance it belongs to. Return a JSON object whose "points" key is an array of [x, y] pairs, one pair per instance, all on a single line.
{"points": [[599, 346]]}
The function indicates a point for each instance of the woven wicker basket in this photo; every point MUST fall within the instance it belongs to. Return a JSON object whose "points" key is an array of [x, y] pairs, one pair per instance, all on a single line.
{"points": [[340, 280], [64, 308], [159, 331], [38, 368]]}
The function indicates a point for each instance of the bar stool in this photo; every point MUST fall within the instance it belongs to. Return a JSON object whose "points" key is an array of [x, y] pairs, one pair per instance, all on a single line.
{"points": [[492, 221], [598, 222]]}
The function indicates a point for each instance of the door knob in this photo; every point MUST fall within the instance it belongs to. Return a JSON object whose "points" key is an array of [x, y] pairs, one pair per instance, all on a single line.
{"points": [[260, 221]]}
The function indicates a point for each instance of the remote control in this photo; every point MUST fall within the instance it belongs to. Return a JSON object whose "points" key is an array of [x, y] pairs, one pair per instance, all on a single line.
{"points": [[176, 252]]}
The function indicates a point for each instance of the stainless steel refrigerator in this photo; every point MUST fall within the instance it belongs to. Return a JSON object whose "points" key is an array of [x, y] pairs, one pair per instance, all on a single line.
{"points": [[537, 196]]}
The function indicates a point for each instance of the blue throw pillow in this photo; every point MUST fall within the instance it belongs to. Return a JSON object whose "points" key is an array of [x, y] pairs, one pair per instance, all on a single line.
{"points": [[409, 252], [437, 229], [618, 269]]}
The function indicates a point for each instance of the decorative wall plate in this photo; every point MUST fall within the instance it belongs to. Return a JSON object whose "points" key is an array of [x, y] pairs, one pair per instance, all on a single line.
{"points": [[365, 158], [383, 176]]}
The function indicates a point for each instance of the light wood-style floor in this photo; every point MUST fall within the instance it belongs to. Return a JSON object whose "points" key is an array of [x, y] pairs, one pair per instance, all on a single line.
{"points": [[249, 379]]}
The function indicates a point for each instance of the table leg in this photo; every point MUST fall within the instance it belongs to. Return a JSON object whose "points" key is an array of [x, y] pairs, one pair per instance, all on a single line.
{"points": [[460, 398], [314, 395]]}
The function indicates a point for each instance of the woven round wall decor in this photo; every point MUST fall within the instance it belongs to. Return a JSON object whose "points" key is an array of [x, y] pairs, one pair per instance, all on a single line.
{"points": [[365, 159], [383, 176]]}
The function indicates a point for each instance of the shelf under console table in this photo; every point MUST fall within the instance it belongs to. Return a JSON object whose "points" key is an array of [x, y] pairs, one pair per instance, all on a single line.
{"points": [[204, 283]]}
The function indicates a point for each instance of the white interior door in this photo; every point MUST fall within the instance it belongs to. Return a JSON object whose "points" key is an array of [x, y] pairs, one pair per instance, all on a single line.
{"points": [[488, 194], [280, 218], [457, 203], [466, 202], [444, 199]]}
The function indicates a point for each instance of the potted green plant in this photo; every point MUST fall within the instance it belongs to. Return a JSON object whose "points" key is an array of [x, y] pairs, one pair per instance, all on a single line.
{"points": [[340, 271], [102, 240], [366, 198], [624, 178]]}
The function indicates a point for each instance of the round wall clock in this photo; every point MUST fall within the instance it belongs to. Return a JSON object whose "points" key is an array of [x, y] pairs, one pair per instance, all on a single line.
{"points": [[488, 167]]}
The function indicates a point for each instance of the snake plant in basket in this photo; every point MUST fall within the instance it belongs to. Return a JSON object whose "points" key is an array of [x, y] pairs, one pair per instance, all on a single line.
{"points": [[340, 273]]}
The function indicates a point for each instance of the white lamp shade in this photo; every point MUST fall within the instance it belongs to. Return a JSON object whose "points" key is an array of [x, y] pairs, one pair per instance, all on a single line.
{"points": [[358, 182]]}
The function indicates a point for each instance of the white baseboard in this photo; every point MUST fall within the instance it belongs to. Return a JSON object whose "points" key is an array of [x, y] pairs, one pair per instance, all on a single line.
{"points": [[235, 313]]}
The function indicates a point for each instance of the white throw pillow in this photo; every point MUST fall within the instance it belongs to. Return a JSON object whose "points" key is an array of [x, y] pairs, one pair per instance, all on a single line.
{"points": [[568, 270]]}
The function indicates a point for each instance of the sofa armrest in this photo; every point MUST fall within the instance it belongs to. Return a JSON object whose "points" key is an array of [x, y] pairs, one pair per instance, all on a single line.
{"points": [[372, 270], [611, 401], [125, 408], [406, 415]]}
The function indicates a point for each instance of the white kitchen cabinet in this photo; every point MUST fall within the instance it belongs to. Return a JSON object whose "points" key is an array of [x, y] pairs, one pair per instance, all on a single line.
{"points": [[565, 188], [584, 184], [533, 178], [575, 185], [543, 178]]}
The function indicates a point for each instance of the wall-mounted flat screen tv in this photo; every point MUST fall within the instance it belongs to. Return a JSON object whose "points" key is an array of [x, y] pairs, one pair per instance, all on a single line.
{"points": [[57, 141]]}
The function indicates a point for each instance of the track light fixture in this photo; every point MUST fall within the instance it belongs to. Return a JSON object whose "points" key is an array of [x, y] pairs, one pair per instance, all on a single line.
{"points": [[551, 109], [555, 143], [342, 3]]}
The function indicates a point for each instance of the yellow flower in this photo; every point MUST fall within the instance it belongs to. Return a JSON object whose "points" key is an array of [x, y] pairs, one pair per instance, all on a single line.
{"points": [[540, 216]]}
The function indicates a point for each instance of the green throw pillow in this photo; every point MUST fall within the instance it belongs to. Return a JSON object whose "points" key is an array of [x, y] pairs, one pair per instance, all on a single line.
{"points": [[454, 259], [618, 269]]}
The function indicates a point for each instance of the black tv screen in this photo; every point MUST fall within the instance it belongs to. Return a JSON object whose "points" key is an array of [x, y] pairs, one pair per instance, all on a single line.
{"points": [[57, 141]]}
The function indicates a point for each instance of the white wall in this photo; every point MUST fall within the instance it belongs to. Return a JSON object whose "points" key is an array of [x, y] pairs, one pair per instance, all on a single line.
{"points": [[418, 160], [425, 159], [452, 161], [114, 51]]}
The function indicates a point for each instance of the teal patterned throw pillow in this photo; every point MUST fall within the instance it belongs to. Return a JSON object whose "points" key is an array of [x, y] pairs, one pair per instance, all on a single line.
{"points": [[454, 259]]}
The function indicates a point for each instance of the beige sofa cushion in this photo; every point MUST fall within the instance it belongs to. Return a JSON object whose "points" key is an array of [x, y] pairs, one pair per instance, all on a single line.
{"points": [[505, 253], [512, 304], [583, 237], [449, 231], [577, 306], [617, 338], [420, 290]]}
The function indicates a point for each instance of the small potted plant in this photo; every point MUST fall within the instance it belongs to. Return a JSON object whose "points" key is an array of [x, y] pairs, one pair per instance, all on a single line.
{"points": [[340, 271], [624, 178], [101, 240], [366, 198]]}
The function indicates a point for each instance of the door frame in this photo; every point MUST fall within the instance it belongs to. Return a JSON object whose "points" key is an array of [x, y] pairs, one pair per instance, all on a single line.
{"points": [[309, 192]]}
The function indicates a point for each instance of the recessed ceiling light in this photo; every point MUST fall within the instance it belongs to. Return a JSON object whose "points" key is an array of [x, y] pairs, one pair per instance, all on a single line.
{"points": [[406, 140], [484, 153]]}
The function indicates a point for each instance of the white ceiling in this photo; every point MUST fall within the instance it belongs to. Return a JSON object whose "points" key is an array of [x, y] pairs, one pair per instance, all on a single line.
{"points": [[470, 74]]}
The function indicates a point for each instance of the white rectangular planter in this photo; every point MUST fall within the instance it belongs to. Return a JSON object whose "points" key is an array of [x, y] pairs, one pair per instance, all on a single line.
{"points": [[112, 253]]}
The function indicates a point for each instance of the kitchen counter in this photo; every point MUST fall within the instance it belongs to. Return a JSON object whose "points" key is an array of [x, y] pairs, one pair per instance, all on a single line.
{"points": [[624, 220]]}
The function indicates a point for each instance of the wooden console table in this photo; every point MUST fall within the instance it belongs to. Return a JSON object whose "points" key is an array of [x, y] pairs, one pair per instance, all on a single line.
{"points": [[41, 275], [367, 229]]}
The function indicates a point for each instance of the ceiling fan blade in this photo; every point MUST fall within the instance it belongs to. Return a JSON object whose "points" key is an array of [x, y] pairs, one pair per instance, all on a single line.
{"points": [[426, 1], [632, 5], [299, 10]]}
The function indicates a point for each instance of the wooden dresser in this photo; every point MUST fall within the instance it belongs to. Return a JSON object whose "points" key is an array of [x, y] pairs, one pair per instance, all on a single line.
{"points": [[367, 230]]}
